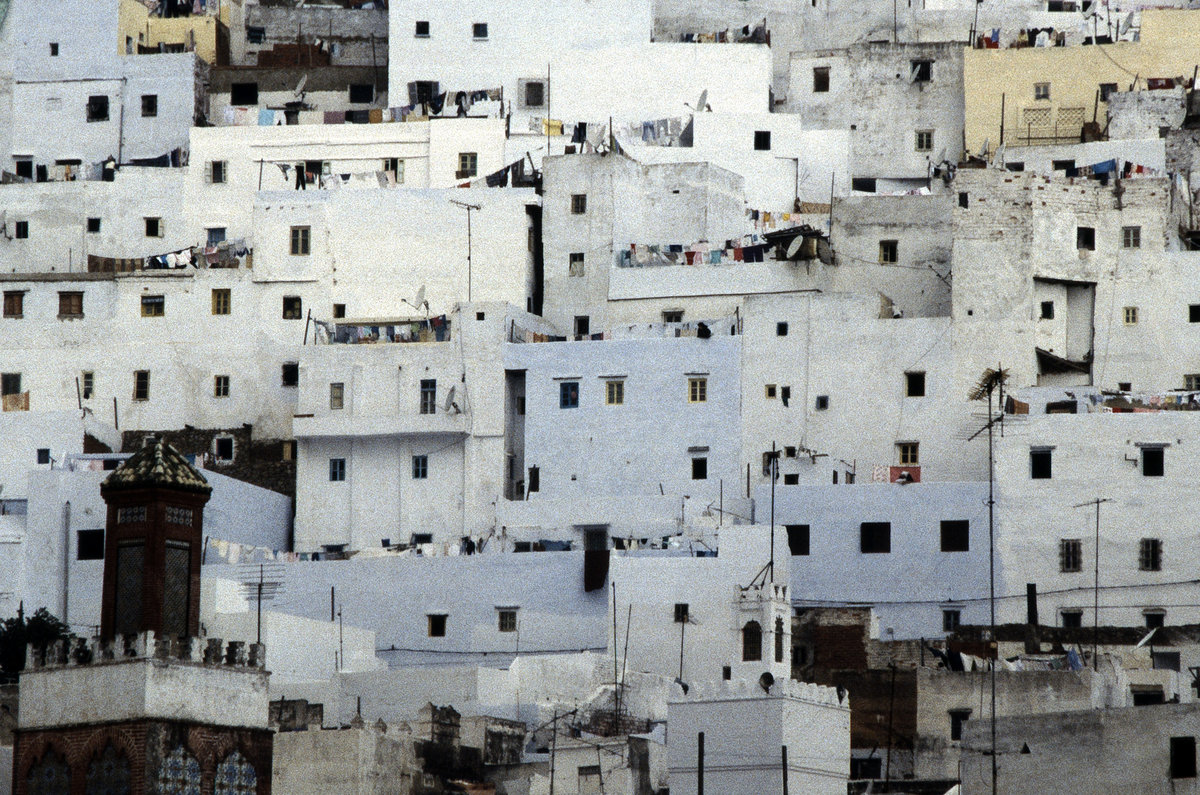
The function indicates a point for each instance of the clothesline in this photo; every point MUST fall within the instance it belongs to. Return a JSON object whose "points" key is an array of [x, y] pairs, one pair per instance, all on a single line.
{"points": [[743, 35], [226, 254]]}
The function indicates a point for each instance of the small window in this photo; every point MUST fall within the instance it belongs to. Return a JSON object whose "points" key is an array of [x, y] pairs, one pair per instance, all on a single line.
{"points": [[921, 71], [154, 306], [221, 386], [924, 141], [751, 642], [222, 300], [533, 93], [70, 304], [889, 252], [1131, 237], [951, 619], [793, 479], [769, 391], [337, 469], [54, 49], [1070, 555], [21, 230], [293, 307], [1191, 382], [88, 384], [214, 172], [614, 392], [762, 140], [215, 235], [289, 374], [909, 453], [914, 384], [1150, 554], [154, 227], [875, 537], [1041, 91], [568, 395], [287, 451], [300, 241], [468, 164], [395, 165], [1107, 90], [1047, 310], [820, 79], [428, 395], [420, 467], [575, 263], [726, 672], [964, 199], [93, 225], [421, 30], [699, 469], [697, 390], [1194, 313], [149, 105], [141, 385], [362, 93], [681, 612], [797, 535], [337, 396], [43, 455], [10, 383], [243, 94], [863, 184], [781, 328], [1183, 757], [437, 625], [222, 449], [1085, 238], [479, 31], [89, 545], [822, 403], [673, 316], [956, 535], [1152, 462], [1040, 463], [1130, 315], [1125, 386], [1071, 619], [578, 203], [535, 480], [506, 619], [957, 718], [97, 108]]}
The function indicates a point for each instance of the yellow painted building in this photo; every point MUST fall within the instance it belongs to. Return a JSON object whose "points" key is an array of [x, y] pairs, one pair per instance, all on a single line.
{"points": [[205, 35], [1048, 93]]}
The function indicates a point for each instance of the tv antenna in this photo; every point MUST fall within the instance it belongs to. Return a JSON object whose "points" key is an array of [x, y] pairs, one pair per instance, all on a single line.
{"points": [[261, 582]]}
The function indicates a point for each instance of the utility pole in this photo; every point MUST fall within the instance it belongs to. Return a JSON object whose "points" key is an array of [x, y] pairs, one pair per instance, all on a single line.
{"points": [[468, 208], [1096, 584]]}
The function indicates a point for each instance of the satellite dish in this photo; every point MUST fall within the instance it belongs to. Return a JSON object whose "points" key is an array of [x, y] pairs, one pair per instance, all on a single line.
{"points": [[794, 246], [421, 297], [1126, 24], [299, 90], [449, 403], [941, 156], [987, 144], [765, 681], [999, 158], [702, 103]]}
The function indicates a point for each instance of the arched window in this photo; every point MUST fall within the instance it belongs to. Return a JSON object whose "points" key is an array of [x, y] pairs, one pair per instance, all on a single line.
{"points": [[108, 773], [235, 776], [49, 776], [778, 639], [751, 641], [179, 773]]}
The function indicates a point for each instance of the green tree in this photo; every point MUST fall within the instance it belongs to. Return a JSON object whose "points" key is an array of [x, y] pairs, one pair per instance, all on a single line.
{"points": [[16, 633]]}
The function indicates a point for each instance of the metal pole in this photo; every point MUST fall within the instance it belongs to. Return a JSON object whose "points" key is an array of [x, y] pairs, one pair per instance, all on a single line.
{"points": [[700, 763], [682, 624], [1096, 598], [887, 776], [260, 592], [992, 568], [553, 748], [785, 771], [468, 255], [774, 475]]}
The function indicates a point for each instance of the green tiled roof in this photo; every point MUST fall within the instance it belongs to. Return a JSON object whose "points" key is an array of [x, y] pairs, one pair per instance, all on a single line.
{"points": [[157, 464]]}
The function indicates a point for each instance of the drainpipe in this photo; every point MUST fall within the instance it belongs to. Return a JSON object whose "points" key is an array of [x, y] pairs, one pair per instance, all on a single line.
{"points": [[66, 599]]}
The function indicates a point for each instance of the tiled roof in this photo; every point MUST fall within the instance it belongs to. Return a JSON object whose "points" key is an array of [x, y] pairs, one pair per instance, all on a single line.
{"points": [[157, 464]]}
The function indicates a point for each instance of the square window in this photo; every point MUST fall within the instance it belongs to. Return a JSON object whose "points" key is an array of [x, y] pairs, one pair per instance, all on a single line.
{"points": [[1191, 382], [697, 390], [614, 393], [1150, 554], [223, 446], [468, 165], [10, 383], [362, 93], [93, 225], [1040, 463], [337, 396], [770, 391], [673, 316], [924, 141], [1183, 757], [889, 252], [1125, 386], [1070, 555], [575, 263], [89, 385], [762, 140], [149, 105], [909, 453], [289, 374], [914, 384], [578, 203], [957, 718], [956, 535], [781, 328], [436, 625], [506, 619], [863, 184], [583, 326], [300, 238], [479, 30], [97, 108], [797, 535], [1085, 238], [1154, 618], [1152, 462], [699, 469], [428, 396], [1041, 91], [793, 479], [221, 386], [951, 620], [1071, 619], [1107, 90], [89, 545], [421, 30], [820, 79], [339, 311], [154, 306], [141, 385], [568, 395], [1047, 310], [921, 71], [154, 227], [822, 403], [875, 537], [222, 301], [43, 455], [293, 307], [533, 93], [70, 304], [681, 612], [1131, 237], [243, 94], [1130, 315], [215, 235], [420, 467], [337, 469], [21, 232]]}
